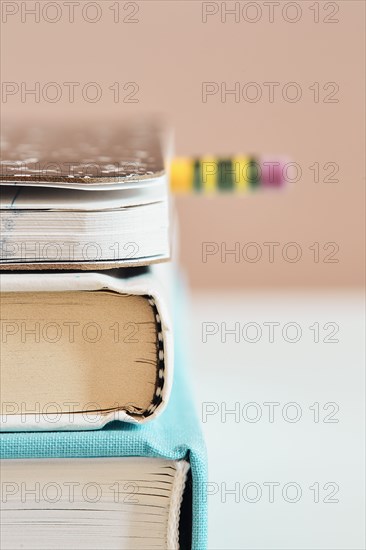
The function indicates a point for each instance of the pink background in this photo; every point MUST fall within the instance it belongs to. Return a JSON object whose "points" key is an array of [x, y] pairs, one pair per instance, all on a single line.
{"points": [[169, 52]]}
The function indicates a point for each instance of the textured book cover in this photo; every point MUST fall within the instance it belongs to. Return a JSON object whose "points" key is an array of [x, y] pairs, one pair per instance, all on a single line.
{"points": [[175, 435]]}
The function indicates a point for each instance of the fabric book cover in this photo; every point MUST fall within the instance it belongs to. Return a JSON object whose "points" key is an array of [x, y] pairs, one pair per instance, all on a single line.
{"points": [[174, 436]]}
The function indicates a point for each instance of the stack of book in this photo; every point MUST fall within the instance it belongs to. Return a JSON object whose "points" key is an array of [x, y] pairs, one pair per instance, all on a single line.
{"points": [[100, 445]]}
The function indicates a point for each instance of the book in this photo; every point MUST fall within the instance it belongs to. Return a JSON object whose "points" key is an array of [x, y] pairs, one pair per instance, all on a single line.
{"points": [[92, 503], [80, 349], [173, 437], [84, 197]]}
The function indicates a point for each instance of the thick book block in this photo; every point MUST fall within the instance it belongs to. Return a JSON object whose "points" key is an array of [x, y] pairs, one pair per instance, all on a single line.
{"points": [[80, 349]]}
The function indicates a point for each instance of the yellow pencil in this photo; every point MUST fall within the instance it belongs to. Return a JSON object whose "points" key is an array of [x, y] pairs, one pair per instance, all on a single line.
{"points": [[238, 174]]}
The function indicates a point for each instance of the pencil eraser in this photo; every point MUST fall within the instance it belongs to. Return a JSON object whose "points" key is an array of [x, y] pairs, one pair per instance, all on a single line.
{"points": [[272, 172]]}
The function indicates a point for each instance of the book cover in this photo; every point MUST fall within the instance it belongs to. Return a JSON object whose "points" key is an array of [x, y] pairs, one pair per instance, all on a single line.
{"points": [[175, 435]]}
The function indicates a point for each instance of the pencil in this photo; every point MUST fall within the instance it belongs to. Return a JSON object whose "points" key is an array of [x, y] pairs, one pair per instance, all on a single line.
{"points": [[238, 174]]}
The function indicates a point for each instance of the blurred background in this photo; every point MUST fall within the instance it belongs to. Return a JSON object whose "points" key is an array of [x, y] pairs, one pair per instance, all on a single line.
{"points": [[276, 78], [159, 56]]}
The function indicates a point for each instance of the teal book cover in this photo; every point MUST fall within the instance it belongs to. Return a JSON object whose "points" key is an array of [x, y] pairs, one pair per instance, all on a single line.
{"points": [[175, 435]]}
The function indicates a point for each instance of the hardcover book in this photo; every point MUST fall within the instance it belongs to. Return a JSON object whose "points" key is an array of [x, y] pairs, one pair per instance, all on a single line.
{"points": [[80, 349], [93, 491], [83, 197]]}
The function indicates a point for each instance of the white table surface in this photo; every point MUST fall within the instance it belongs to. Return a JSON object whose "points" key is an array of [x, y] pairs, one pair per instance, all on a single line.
{"points": [[246, 456]]}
